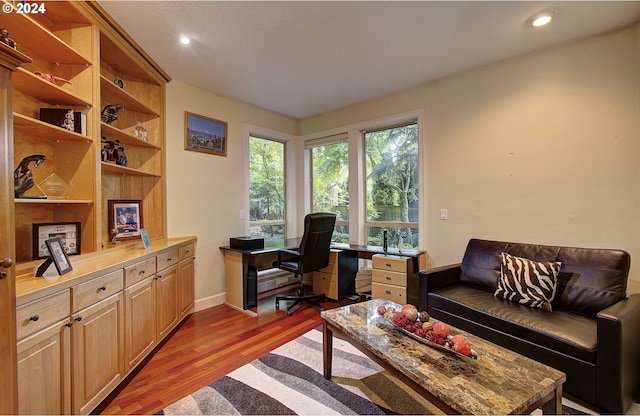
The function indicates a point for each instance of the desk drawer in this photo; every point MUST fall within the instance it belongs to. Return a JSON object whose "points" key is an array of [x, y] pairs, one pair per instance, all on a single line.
{"points": [[395, 294], [41, 313], [389, 278], [95, 290], [139, 271], [390, 262], [325, 283], [167, 259]]}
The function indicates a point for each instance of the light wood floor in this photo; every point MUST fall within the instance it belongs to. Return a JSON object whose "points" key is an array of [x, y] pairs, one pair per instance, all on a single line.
{"points": [[208, 345]]}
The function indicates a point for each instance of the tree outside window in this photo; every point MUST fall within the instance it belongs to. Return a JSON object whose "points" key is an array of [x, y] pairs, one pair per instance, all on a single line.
{"points": [[330, 185], [266, 190], [392, 186]]}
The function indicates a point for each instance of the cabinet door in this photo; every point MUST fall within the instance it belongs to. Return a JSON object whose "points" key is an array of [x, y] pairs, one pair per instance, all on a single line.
{"points": [[140, 321], [44, 371], [187, 286], [167, 300], [97, 352]]}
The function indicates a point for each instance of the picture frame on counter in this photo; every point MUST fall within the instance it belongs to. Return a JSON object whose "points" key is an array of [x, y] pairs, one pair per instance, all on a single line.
{"points": [[57, 256], [69, 233], [125, 218]]}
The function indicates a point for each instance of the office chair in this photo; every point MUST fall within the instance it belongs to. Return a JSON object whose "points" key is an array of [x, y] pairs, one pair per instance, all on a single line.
{"points": [[311, 255]]}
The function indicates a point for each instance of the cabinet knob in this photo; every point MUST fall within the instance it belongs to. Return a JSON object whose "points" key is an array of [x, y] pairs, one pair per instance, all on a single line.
{"points": [[388, 277], [34, 318], [3, 275], [388, 292], [69, 324], [169, 259], [388, 264], [103, 288], [78, 319], [141, 272], [6, 263]]}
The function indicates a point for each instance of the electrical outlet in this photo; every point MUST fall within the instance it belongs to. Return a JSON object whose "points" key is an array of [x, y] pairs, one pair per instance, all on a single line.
{"points": [[444, 215]]}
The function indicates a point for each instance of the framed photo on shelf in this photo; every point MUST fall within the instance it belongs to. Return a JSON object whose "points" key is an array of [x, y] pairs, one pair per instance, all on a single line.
{"points": [[125, 218], [58, 255], [68, 232], [204, 134]]}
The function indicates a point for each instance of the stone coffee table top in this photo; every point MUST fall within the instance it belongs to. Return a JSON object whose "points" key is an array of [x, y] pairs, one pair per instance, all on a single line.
{"points": [[498, 382]]}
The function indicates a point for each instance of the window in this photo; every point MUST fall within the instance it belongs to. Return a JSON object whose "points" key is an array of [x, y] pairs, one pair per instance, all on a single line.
{"points": [[391, 172], [266, 190], [330, 185]]}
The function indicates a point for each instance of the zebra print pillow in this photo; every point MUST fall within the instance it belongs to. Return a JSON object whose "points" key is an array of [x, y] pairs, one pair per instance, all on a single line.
{"points": [[528, 282]]}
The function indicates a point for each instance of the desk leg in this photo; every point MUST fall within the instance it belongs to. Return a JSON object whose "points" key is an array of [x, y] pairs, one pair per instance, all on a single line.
{"points": [[327, 349]]}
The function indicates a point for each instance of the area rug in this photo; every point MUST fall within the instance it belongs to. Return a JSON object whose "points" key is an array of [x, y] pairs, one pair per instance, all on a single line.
{"points": [[289, 381]]}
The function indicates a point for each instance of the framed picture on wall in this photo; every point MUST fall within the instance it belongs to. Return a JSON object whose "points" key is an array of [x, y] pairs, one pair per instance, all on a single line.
{"points": [[205, 134], [125, 218]]}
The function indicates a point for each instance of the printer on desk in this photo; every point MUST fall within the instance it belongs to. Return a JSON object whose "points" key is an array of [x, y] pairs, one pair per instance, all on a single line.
{"points": [[246, 243]]}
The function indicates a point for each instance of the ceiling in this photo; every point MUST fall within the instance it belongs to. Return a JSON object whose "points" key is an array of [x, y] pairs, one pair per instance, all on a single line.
{"points": [[302, 58]]}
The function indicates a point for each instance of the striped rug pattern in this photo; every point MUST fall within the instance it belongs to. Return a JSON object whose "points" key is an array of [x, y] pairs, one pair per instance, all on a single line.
{"points": [[289, 380]]}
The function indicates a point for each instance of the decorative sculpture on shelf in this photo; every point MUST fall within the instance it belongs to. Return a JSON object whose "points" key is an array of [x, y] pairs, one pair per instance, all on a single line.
{"points": [[140, 132], [110, 113], [23, 177], [4, 38], [51, 78], [113, 152]]}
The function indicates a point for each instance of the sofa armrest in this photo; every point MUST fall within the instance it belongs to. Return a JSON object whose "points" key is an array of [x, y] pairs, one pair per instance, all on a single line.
{"points": [[618, 367], [436, 278]]}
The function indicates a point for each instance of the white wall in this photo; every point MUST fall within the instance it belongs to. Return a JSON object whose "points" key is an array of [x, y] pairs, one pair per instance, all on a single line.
{"points": [[205, 193], [544, 148]]}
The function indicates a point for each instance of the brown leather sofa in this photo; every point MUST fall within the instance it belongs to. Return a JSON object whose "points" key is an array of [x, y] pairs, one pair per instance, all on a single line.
{"points": [[592, 333]]}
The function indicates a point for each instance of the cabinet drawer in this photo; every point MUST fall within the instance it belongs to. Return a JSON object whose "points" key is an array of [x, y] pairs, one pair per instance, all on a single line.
{"points": [[139, 271], [396, 294], [186, 251], [390, 278], [39, 314], [390, 262], [95, 290], [321, 282], [167, 259]]}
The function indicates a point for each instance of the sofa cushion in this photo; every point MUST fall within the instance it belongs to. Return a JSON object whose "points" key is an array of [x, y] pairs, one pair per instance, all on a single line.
{"points": [[528, 282], [564, 332], [589, 280]]}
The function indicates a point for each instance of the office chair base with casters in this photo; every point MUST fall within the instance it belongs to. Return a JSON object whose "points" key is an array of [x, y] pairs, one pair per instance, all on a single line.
{"points": [[301, 298]]}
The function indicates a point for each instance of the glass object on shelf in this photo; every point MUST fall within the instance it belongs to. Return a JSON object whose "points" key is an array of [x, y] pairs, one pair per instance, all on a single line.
{"points": [[140, 132], [118, 81], [54, 187]]}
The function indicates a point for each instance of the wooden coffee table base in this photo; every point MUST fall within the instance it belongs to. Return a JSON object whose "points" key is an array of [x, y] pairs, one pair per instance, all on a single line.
{"points": [[526, 384]]}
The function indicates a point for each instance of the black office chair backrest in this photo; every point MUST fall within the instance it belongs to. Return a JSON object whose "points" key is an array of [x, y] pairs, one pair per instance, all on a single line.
{"points": [[316, 240]]}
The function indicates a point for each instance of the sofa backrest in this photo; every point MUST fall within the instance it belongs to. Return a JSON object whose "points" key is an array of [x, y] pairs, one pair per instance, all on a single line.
{"points": [[589, 281]]}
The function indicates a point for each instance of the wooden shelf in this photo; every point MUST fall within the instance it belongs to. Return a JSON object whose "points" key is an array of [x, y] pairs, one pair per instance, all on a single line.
{"points": [[112, 94], [41, 41], [44, 90], [45, 130], [113, 133], [53, 201], [122, 170]]}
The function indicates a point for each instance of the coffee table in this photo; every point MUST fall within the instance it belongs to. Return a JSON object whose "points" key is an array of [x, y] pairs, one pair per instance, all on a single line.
{"points": [[500, 381]]}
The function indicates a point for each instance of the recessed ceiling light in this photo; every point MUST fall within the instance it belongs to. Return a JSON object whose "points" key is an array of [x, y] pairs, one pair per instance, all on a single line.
{"points": [[184, 40], [541, 19]]}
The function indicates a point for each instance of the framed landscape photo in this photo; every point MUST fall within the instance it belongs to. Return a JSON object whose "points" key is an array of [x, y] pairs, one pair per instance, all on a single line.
{"points": [[205, 134], [68, 232], [125, 218]]}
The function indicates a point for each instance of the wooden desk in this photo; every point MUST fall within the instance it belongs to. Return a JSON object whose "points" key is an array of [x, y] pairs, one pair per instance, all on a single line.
{"points": [[241, 267]]}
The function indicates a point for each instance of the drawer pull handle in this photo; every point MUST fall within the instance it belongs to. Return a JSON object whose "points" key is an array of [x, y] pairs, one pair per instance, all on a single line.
{"points": [[103, 288], [34, 318], [388, 292], [79, 318], [169, 259], [141, 272], [388, 264], [69, 324], [388, 277]]}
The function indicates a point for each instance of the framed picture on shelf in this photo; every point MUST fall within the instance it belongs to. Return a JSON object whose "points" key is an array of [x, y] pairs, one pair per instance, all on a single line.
{"points": [[58, 255], [125, 218], [68, 232], [204, 134]]}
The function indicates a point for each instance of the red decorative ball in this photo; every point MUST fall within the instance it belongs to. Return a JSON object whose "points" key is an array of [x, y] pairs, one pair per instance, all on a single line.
{"points": [[381, 310], [441, 330]]}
